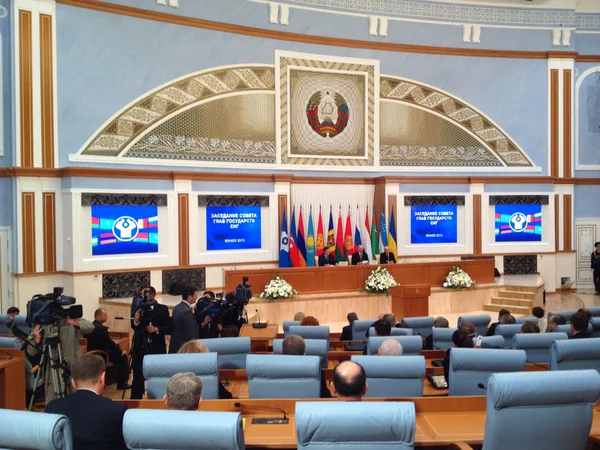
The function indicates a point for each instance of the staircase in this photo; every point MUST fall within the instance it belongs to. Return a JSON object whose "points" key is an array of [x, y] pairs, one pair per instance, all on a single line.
{"points": [[517, 299]]}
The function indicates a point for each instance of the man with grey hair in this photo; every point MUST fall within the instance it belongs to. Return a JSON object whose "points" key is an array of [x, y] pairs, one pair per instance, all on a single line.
{"points": [[184, 392], [439, 322], [391, 319], [293, 345], [507, 319], [390, 347]]}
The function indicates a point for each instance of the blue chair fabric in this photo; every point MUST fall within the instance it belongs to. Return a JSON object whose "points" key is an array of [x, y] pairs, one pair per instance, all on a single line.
{"points": [[442, 338], [481, 322], [411, 345], [395, 332], [492, 342], [537, 345], [422, 326], [34, 431], [566, 313], [10, 342], [575, 354], [311, 332], [287, 324], [507, 332], [19, 322], [393, 376], [283, 376], [522, 320], [231, 352], [314, 347], [567, 329], [359, 329]]}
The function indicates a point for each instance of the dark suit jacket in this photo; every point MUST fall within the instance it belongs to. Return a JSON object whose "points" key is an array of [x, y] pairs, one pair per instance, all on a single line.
{"points": [[161, 320], [185, 327], [580, 335], [324, 260], [99, 339], [96, 422], [383, 258], [346, 333], [356, 258], [491, 331]]}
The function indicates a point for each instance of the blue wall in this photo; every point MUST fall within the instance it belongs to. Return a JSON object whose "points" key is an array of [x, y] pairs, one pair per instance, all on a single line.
{"points": [[6, 202], [5, 33], [587, 201]]}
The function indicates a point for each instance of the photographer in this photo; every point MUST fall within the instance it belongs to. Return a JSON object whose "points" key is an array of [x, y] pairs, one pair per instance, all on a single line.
{"points": [[243, 292], [150, 324], [208, 316], [232, 311]]}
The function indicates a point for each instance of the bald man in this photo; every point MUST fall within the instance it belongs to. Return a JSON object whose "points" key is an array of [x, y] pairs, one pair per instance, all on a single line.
{"points": [[360, 256], [349, 382], [390, 347], [387, 257]]}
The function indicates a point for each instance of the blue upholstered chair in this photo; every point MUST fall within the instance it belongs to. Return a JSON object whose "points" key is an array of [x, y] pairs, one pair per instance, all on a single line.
{"points": [[168, 429], [231, 352], [158, 369], [536, 345], [567, 329], [595, 323], [442, 338], [595, 310], [314, 347], [287, 324], [395, 332], [393, 376], [422, 326], [567, 313], [481, 322], [411, 345], [470, 367], [507, 332], [10, 342], [355, 426], [575, 354], [492, 342], [19, 322], [522, 320], [540, 410], [34, 431], [359, 329], [311, 332], [283, 376]]}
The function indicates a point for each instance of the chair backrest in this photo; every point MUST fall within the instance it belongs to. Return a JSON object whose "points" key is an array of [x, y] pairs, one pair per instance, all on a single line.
{"points": [[395, 332], [595, 310], [158, 369], [492, 342], [311, 332], [287, 324], [567, 329], [536, 345], [422, 326], [35, 431], [356, 426], [575, 354], [169, 429], [442, 338], [10, 342], [19, 322], [507, 332], [231, 352], [522, 320], [567, 313], [520, 405], [481, 322], [471, 367], [393, 376], [283, 376], [359, 329], [314, 347], [411, 345], [595, 323]]}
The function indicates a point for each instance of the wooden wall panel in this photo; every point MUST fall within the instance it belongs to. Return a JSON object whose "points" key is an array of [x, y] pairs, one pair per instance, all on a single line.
{"points": [[567, 223], [477, 224], [556, 224], [28, 231], [26, 88], [567, 123], [184, 229], [47, 91], [49, 211], [554, 123]]}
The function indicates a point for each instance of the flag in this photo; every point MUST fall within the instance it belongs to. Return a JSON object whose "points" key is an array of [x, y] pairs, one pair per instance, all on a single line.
{"points": [[284, 244], [300, 241], [320, 241], [357, 239], [366, 236], [383, 242], [310, 241], [294, 254], [392, 236], [348, 243], [330, 233], [339, 239], [374, 238]]}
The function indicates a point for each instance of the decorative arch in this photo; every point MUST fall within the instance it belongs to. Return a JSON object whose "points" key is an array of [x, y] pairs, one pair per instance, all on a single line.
{"points": [[580, 80]]}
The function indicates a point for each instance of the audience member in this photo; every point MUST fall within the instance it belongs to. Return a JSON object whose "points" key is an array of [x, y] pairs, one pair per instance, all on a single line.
{"points": [[439, 322], [309, 321], [96, 421], [469, 328], [347, 330], [299, 316], [379, 317], [349, 381], [199, 347], [99, 339], [554, 321], [390, 347], [184, 392], [391, 319], [383, 328], [185, 327], [492, 329], [12, 312], [585, 311], [530, 327], [461, 338], [230, 331], [579, 325], [539, 312]]}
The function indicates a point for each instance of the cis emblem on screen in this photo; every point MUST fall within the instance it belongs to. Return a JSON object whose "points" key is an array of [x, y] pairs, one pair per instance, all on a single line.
{"points": [[125, 229], [518, 222]]}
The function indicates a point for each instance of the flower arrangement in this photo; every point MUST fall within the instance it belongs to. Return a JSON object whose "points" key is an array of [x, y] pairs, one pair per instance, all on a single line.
{"points": [[380, 280], [458, 279], [278, 288]]}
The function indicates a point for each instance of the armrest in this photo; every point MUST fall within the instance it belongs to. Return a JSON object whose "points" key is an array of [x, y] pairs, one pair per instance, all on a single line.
{"points": [[460, 446]]}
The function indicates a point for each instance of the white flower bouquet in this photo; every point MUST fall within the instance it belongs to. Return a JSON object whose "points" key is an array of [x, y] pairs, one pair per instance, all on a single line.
{"points": [[458, 279], [278, 288], [380, 280]]}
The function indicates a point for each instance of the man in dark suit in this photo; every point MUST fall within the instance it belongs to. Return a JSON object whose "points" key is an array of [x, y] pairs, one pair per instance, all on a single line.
{"points": [[185, 327], [360, 256], [99, 339], [150, 328], [387, 257], [347, 330], [491, 331], [595, 266], [96, 421], [327, 259], [579, 326]]}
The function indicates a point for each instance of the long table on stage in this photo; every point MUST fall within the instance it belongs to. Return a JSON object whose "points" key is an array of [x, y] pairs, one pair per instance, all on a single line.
{"points": [[312, 280]]}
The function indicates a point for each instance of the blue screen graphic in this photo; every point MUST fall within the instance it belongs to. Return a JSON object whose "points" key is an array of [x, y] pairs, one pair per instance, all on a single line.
{"points": [[518, 223], [431, 224], [233, 227], [123, 230]]}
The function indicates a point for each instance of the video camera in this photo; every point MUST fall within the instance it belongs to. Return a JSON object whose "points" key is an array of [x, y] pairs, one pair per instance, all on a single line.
{"points": [[51, 309]]}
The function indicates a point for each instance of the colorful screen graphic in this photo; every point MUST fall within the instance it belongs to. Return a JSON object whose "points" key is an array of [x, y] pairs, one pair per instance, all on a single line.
{"points": [[433, 224], [123, 230], [518, 223], [232, 227]]}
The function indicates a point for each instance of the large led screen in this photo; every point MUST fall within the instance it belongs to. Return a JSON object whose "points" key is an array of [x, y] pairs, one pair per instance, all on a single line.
{"points": [[518, 223], [233, 227], [433, 224]]}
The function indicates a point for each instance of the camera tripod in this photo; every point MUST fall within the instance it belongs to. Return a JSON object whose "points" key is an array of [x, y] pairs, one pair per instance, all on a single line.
{"points": [[52, 354], [141, 346]]}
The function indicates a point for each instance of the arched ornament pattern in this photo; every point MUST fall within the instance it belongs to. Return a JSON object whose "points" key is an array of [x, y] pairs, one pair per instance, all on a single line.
{"points": [[581, 78], [121, 136]]}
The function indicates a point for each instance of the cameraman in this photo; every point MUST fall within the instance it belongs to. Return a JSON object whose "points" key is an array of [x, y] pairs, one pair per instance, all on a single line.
{"points": [[233, 311], [150, 325], [243, 292], [207, 317]]}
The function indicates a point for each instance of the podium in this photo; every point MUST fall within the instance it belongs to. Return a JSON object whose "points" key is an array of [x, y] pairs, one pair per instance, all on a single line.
{"points": [[410, 300]]}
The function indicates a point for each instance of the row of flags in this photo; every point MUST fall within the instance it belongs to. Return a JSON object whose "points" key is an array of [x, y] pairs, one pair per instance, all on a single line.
{"points": [[298, 249]]}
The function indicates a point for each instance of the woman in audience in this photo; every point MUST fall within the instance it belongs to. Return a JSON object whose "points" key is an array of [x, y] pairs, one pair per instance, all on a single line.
{"points": [[347, 330], [199, 347], [539, 312], [299, 316], [461, 338], [309, 321], [530, 327]]}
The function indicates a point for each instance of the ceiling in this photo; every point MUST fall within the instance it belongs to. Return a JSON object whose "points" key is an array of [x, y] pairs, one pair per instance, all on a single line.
{"points": [[584, 6]]}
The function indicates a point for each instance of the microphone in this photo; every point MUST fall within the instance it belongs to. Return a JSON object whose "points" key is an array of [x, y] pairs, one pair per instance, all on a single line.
{"points": [[259, 324], [482, 386], [265, 420]]}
